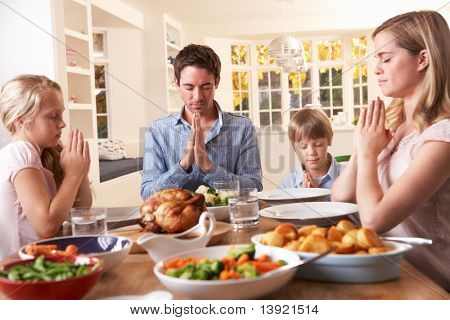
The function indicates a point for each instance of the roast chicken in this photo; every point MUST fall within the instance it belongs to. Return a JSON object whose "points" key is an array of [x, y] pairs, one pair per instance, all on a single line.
{"points": [[172, 211]]}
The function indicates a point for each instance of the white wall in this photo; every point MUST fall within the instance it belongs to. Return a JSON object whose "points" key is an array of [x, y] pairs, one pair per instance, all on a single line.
{"points": [[129, 105], [27, 45], [25, 35]]}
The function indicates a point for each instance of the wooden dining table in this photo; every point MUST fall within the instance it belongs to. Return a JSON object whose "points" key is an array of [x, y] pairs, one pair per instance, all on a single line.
{"points": [[134, 276]]}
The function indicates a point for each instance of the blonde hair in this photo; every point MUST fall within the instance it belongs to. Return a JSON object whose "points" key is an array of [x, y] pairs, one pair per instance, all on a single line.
{"points": [[21, 98], [417, 31], [310, 123]]}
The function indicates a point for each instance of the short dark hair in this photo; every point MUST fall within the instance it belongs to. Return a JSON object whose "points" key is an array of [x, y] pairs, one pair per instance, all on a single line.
{"points": [[198, 56]]}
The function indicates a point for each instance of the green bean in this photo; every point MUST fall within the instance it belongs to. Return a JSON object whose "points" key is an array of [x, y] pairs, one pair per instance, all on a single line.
{"points": [[81, 270], [13, 275], [96, 266], [42, 269], [39, 263]]}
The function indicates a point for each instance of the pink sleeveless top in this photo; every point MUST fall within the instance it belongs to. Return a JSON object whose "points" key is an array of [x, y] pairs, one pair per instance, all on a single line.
{"points": [[15, 229], [432, 218]]}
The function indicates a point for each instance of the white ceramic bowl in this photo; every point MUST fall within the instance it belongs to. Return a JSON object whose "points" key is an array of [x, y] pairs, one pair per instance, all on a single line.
{"points": [[221, 213], [351, 268], [112, 249], [228, 289]]}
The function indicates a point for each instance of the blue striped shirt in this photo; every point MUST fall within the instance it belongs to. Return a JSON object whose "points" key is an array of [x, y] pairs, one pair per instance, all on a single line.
{"points": [[294, 179], [230, 143]]}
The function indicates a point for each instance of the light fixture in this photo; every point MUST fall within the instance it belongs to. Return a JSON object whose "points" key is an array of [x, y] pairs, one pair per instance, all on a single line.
{"points": [[288, 51]]}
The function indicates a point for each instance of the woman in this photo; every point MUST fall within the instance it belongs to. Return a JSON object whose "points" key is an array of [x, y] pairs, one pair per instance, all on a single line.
{"points": [[399, 176]]}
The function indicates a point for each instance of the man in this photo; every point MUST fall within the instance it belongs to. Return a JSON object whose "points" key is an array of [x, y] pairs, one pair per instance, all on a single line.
{"points": [[201, 144]]}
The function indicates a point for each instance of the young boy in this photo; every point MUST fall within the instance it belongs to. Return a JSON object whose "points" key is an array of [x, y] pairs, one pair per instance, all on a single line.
{"points": [[310, 134]]}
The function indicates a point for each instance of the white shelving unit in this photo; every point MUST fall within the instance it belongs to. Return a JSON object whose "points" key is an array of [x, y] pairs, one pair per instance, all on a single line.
{"points": [[79, 70], [173, 45]]}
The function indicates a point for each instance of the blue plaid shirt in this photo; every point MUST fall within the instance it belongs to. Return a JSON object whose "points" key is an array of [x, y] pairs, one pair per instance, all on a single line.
{"points": [[231, 146]]}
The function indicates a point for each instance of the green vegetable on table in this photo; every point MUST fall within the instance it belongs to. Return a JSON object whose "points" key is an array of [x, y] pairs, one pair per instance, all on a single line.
{"points": [[237, 252], [42, 269], [213, 197]]}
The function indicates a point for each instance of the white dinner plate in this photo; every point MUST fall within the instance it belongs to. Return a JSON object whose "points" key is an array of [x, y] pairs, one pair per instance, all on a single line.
{"points": [[309, 210], [293, 193]]}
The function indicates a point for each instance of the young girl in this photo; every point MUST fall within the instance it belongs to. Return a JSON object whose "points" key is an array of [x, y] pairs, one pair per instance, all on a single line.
{"points": [[38, 182], [310, 134], [400, 176]]}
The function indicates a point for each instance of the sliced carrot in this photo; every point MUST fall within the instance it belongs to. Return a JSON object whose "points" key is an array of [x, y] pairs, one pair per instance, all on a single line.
{"points": [[174, 263], [71, 249], [233, 274], [266, 266], [242, 259], [263, 258], [224, 275]]}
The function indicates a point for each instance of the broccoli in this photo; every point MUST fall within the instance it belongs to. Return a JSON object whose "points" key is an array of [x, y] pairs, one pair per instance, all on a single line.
{"points": [[248, 271], [237, 252], [200, 274], [187, 272], [212, 268], [212, 191], [184, 273], [223, 201]]}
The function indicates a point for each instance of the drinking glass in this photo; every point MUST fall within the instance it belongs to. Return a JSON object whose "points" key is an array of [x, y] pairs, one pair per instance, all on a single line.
{"points": [[88, 221], [227, 188], [244, 209]]}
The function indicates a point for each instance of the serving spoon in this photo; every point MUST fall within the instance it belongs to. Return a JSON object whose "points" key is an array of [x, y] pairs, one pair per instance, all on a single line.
{"points": [[410, 240]]}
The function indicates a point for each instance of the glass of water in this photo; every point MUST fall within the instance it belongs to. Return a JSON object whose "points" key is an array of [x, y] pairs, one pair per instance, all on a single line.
{"points": [[244, 209], [227, 188], [88, 221]]}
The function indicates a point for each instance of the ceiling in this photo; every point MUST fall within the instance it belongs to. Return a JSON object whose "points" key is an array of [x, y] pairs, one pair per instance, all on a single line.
{"points": [[222, 11]]}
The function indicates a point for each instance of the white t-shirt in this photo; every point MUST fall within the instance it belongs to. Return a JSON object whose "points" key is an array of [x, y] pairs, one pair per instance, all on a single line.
{"points": [[15, 229]]}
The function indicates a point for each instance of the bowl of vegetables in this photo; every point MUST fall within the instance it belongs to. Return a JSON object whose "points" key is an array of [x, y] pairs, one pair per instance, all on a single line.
{"points": [[111, 249], [216, 201], [224, 272], [50, 278]]}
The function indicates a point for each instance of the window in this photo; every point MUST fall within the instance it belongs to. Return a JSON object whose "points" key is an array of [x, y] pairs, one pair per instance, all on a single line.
{"points": [[300, 93], [331, 89], [270, 97], [240, 61], [101, 65], [269, 93], [241, 92], [240, 55], [359, 75], [300, 85]]}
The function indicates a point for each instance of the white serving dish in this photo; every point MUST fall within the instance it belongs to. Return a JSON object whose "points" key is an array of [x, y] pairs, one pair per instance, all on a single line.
{"points": [[159, 246], [309, 210], [228, 289], [221, 213], [351, 268], [293, 194]]}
